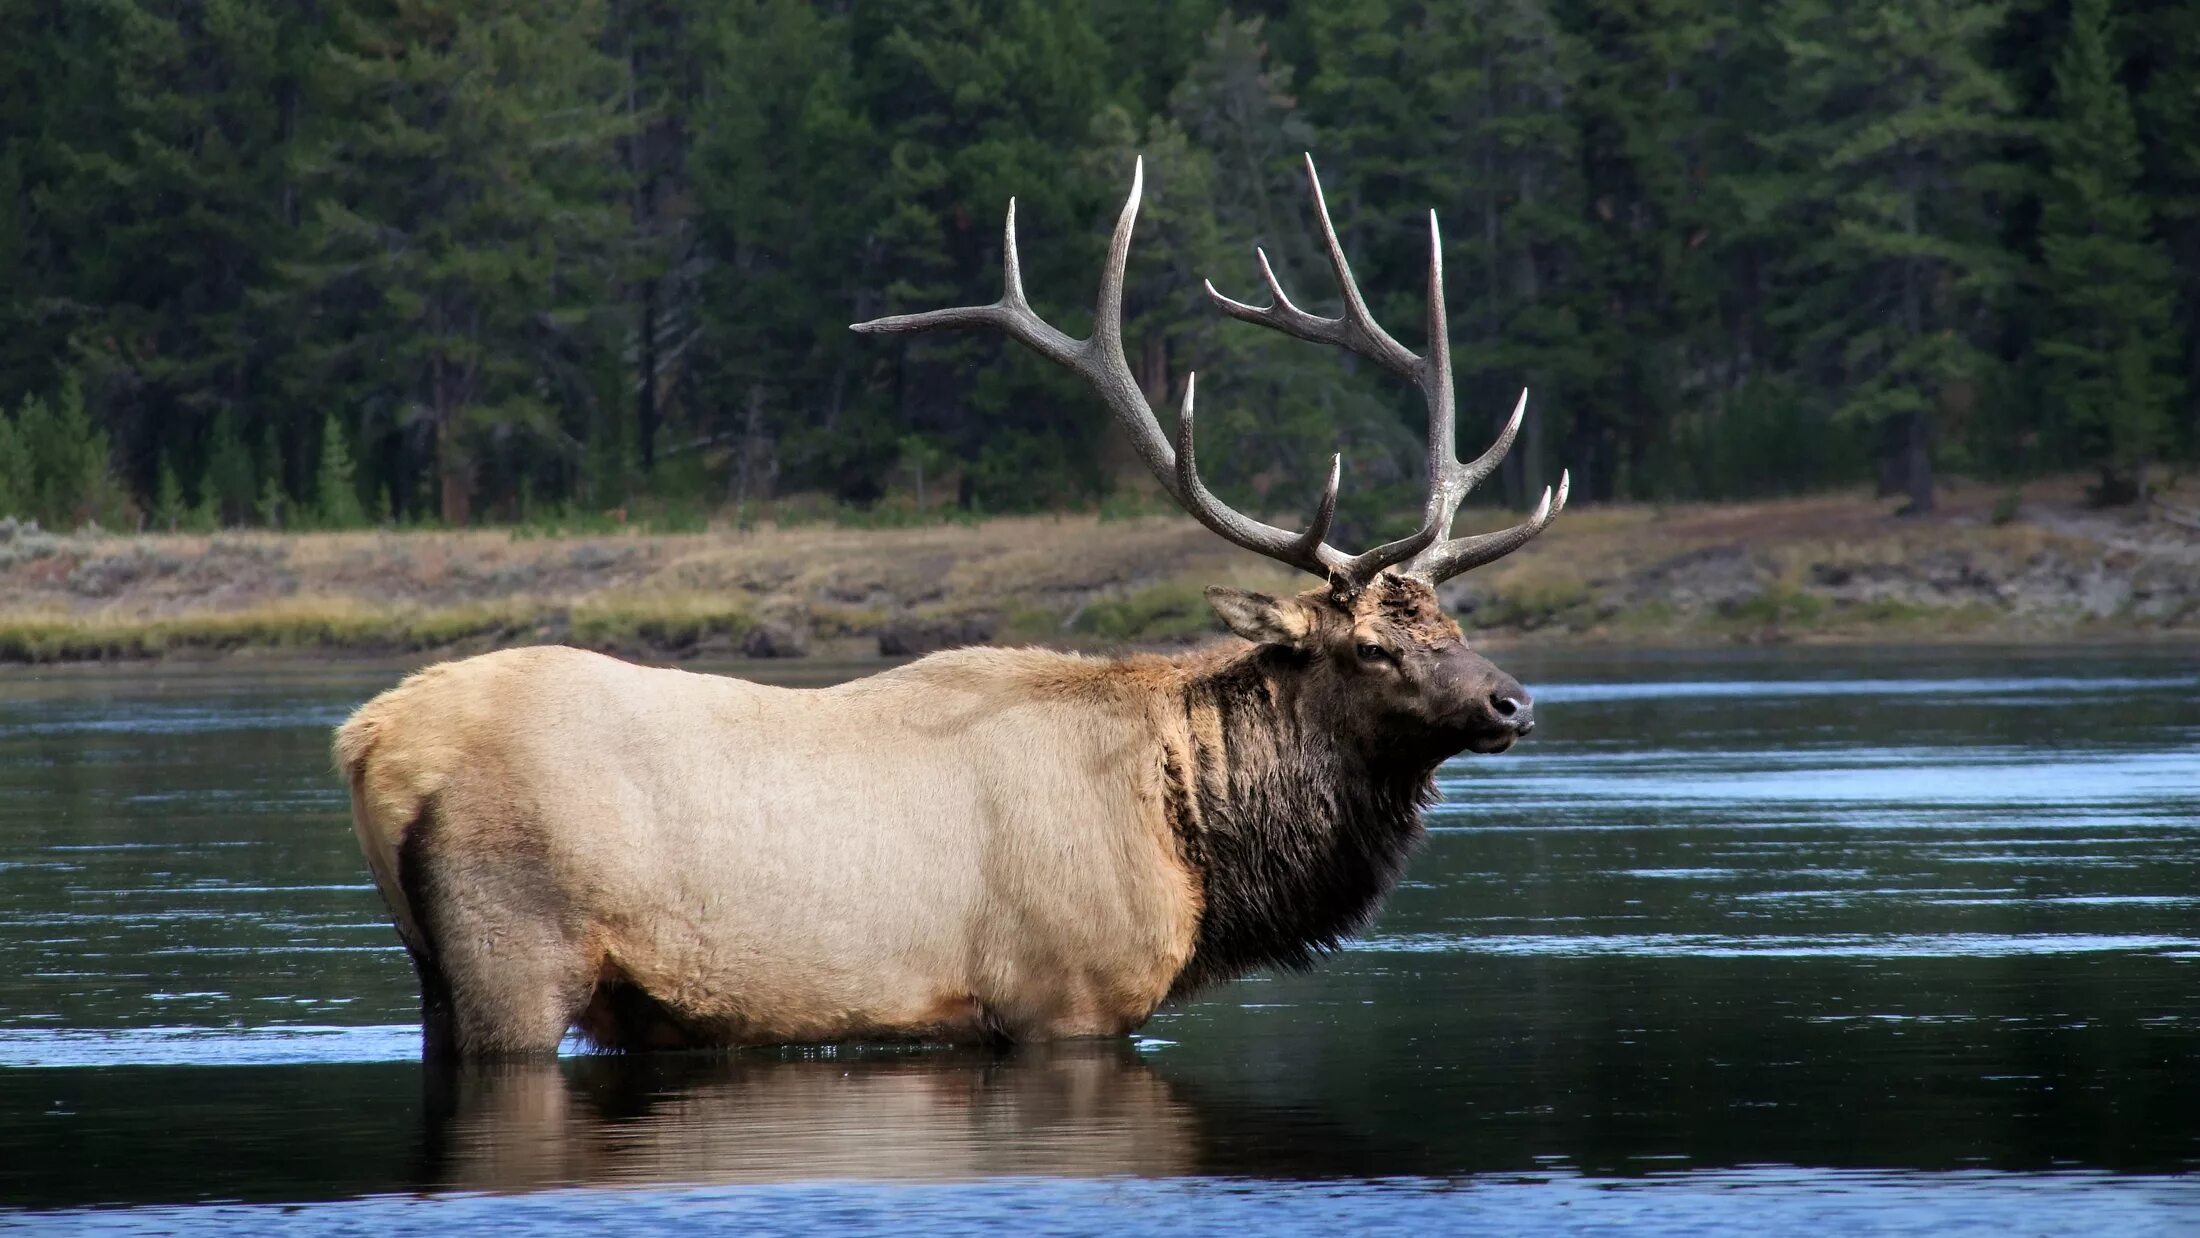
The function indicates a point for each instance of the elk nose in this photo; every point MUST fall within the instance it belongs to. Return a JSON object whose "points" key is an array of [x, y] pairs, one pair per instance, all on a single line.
{"points": [[1514, 707]]}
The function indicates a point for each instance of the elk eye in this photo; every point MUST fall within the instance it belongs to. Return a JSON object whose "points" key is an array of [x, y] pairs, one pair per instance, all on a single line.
{"points": [[1372, 652]]}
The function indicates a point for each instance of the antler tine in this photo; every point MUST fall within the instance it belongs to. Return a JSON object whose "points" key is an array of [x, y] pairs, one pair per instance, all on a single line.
{"points": [[1098, 359], [1365, 335], [1107, 312], [1447, 484], [1012, 267], [1459, 554], [1307, 551], [1486, 463], [1012, 314], [1355, 331]]}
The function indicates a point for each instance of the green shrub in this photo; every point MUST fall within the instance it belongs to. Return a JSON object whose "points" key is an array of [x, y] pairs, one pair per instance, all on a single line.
{"points": [[1777, 606], [1174, 611], [663, 622]]}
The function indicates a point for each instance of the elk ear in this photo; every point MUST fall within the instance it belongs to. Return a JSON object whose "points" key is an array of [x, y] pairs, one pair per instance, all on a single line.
{"points": [[1259, 618]]}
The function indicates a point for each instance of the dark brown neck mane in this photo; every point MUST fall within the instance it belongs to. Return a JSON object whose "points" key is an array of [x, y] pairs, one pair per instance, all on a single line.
{"points": [[1296, 823]]}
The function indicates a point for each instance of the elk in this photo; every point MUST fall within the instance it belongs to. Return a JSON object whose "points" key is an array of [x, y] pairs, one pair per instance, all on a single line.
{"points": [[985, 845]]}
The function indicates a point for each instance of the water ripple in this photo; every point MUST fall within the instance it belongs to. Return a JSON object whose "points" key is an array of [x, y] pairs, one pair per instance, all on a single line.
{"points": [[1830, 945]]}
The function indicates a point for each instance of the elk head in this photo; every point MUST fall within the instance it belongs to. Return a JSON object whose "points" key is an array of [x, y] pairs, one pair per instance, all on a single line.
{"points": [[1386, 666], [1371, 636]]}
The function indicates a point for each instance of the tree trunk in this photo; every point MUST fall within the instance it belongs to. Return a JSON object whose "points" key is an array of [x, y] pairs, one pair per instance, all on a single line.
{"points": [[645, 419], [1531, 459], [1153, 368], [751, 476], [457, 487], [1887, 454], [1917, 453]]}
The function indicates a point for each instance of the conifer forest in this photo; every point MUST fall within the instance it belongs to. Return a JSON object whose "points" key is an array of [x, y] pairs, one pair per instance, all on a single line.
{"points": [[344, 262]]}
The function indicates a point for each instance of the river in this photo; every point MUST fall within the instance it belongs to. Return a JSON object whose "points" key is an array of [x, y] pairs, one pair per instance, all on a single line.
{"points": [[1859, 939]]}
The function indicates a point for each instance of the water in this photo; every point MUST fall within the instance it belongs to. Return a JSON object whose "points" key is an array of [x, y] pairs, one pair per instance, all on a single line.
{"points": [[1860, 940]]}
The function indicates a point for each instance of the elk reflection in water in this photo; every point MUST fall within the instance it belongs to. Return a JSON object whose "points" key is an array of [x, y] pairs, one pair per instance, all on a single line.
{"points": [[1069, 1110]]}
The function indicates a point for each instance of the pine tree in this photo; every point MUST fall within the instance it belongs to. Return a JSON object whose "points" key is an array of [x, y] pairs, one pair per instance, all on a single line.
{"points": [[664, 51], [335, 485], [205, 515], [1895, 119], [36, 437], [169, 511], [464, 207], [229, 487], [1277, 408], [66, 457], [1040, 76], [168, 203], [2159, 37], [17, 482], [1510, 176], [56, 96], [1366, 96], [274, 506], [1733, 247], [788, 203], [2104, 277]]}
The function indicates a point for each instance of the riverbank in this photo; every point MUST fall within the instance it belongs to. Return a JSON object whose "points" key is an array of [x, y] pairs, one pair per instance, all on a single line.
{"points": [[1832, 567]]}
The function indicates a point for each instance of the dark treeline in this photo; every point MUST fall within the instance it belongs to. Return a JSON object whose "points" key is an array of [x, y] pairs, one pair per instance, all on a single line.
{"points": [[316, 264]]}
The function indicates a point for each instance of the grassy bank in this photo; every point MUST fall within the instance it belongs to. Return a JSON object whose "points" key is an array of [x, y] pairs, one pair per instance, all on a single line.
{"points": [[1822, 568]]}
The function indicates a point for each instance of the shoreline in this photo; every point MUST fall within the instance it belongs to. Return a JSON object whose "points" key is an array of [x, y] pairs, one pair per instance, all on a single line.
{"points": [[859, 658], [1820, 570]]}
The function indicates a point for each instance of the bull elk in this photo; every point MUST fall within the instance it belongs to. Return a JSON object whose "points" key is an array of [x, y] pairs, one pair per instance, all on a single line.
{"points": [[983, 845]]}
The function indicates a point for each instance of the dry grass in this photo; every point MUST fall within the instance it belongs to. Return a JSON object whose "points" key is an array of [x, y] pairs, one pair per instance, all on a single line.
{"points": [[1829, 566]]}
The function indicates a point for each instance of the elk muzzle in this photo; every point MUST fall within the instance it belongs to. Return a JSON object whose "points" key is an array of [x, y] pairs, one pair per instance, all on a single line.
{"points": [[1487, 709]]}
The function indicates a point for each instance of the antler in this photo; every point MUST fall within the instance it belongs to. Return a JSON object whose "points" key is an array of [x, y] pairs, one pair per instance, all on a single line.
{"points": [[1439, 555], [1100, 361]]}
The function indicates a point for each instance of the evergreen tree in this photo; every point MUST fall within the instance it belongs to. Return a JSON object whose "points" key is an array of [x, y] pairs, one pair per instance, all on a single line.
{"points": [[462, 217], [2160, 36], [1645, 287], [56, 97], [1896, 119], [785, 178], [274, 506], [2105, 279], [169, 510], [1237, 103], [1510, 160], [229, 488], [977, 107], [175, 210], [203, 516], [665, 53], [335, 485], [18, 483], [67, 463], [605, 252], [1277, 408]]}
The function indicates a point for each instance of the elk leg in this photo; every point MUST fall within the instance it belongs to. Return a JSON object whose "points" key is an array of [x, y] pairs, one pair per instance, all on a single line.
{"points": [[506, 969], [515, 986], [438, 1036]]}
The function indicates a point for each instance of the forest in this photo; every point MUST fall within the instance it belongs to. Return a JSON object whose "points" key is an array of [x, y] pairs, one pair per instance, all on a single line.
{"points": [[441, 262]]}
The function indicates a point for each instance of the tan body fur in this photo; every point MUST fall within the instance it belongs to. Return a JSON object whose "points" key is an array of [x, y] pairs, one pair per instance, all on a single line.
{"points": [[971, 846]]}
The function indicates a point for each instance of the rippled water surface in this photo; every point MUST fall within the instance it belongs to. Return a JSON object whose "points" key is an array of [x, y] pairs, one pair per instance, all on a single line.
{"points": [[1855, 940]]}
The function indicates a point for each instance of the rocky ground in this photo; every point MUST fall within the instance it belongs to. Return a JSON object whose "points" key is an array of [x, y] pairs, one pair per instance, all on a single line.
{"points": [[1832, 567]]}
